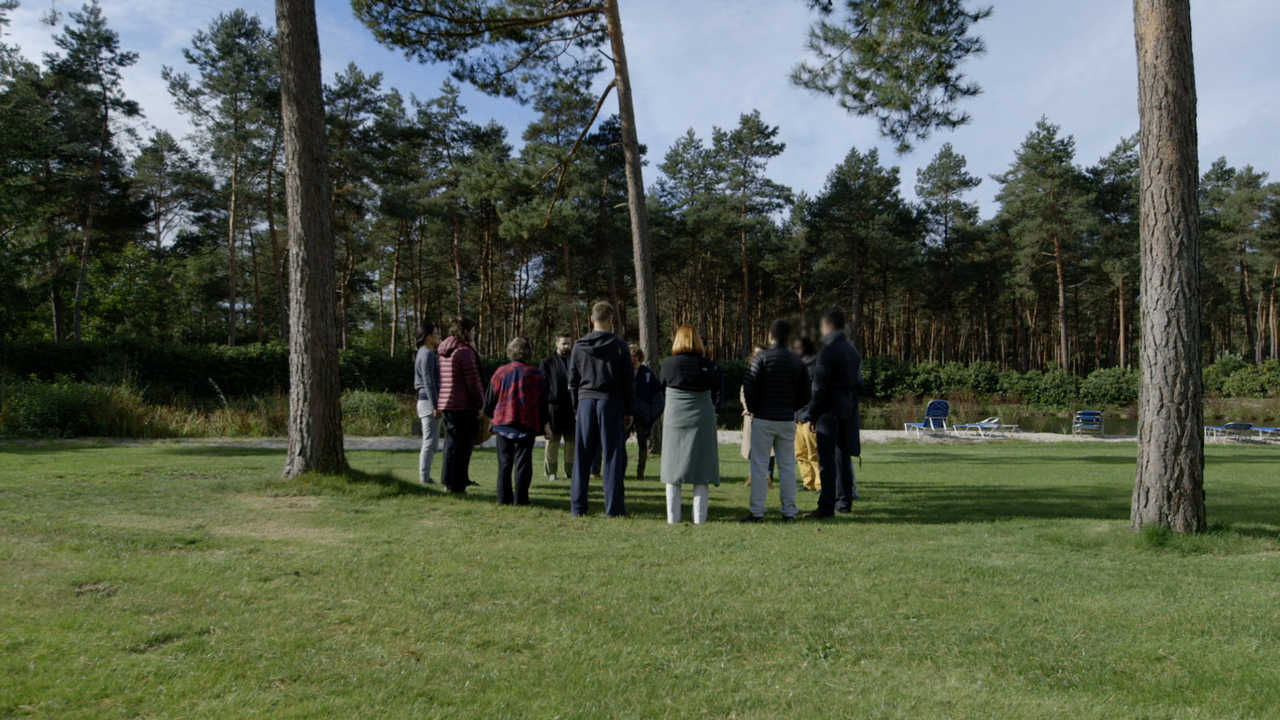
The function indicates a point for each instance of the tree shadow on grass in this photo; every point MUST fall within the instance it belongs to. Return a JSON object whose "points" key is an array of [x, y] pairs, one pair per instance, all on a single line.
{"points": [[945, 504]]}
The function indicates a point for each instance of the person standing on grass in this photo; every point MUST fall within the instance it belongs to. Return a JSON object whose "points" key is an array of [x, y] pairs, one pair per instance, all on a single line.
{"points": [[517, 402], [745, 442], [694, 389], [775, 387], [461, 397], [603, 389], [833, 416], [426, 380], [555, 368], [806, 439], [650, 402]]}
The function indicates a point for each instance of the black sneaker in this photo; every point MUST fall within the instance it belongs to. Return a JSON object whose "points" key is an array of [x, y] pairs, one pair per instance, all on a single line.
{"points": [[819, 515], [844, 510], [751, 519]]}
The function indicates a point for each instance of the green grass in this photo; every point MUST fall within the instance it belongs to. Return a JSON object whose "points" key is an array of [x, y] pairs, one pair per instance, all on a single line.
{"points": [[178, 581]]}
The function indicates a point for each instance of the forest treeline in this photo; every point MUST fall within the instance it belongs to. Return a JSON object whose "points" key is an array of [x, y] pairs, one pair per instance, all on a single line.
{"points": [[110, 232]]}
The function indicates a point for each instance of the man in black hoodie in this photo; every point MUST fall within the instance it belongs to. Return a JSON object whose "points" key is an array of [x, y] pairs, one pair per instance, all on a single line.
{"points": [[601, 383], [833, 415]]}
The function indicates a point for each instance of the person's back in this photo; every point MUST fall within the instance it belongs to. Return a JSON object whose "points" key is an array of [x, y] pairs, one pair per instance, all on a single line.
{"points": [[461, 386], [836, 376], [833, 415], [518, 398], [600, 369], [517, 402], [602, 384], [776, 385]]}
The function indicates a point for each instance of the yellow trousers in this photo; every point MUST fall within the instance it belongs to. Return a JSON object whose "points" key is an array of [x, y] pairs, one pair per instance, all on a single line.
{"points": [[807, 456]]}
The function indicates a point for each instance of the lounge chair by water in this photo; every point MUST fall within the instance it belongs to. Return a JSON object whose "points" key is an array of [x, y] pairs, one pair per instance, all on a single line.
{"points": [[1233, 431], [987, 428], [935, 419], [1087, 422]]}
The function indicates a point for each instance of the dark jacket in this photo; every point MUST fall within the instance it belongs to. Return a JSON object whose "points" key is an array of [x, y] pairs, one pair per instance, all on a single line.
{"points": [[556, 370], [651, 400], [802, 416], [600, 368], [426, 376], [461, 387], [517, 398], [694, 373], [837, 378], [776, 385]]}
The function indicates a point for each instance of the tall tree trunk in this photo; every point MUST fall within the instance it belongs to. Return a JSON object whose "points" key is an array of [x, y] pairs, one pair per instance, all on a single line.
{"points": [[231, 253], [646, 298], [315, 392], [1064, 352], [1169, 482], [457, 262], [1275, 321], [279, 260], [78, 303], [1124, 328], [257, 288], [87, 237], [395, 290]]}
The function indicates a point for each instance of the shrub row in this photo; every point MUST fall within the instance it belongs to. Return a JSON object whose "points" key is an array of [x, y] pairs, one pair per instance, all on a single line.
{"points": [[67, 408], [1055, 389], [195, 371]]}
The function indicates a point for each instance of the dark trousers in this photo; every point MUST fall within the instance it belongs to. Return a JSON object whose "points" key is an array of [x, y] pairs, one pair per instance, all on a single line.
{"points": [[515, 456], [459, 437], [643, 433], [601, 430], [835, 464]]}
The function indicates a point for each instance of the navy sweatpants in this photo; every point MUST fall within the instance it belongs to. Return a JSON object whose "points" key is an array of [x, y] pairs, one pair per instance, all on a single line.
{"points": [[601, 429]]}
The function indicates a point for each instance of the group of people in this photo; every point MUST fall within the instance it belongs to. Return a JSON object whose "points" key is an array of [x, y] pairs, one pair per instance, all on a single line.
{"points": [[591, 394]]}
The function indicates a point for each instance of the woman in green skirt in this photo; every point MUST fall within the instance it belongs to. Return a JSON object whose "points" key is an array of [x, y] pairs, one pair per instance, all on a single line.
{"points": [[694, 390]]}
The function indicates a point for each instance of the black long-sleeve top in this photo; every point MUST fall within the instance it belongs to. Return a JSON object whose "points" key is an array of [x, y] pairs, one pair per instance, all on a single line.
{"points": [[694, 373]]}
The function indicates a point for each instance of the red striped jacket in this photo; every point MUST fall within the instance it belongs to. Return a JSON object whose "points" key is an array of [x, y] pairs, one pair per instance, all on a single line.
{"points": [[460, 385]]}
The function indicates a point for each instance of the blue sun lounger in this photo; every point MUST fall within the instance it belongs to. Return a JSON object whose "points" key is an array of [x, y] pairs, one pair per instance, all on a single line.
{"points": [[1229, 431], [935, 419], [1087, 422], [987, 428]]}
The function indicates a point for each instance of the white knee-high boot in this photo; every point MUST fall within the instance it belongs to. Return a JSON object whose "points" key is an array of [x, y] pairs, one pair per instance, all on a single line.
{"points": [[674, 499], [701, 503]]}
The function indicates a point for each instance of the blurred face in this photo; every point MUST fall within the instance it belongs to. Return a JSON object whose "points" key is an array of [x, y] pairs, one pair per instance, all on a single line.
{"points": [[635, 361], [797, 347], [827, 327], [563, 346]]}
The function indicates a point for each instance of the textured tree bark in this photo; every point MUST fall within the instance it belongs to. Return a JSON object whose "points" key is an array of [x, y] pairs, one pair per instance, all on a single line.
{"points": [[315, 393], [1169, 483], [1059, 262], [646, 298]]}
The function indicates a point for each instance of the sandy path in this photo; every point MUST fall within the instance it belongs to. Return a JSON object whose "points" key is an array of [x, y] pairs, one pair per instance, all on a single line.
{"points": [[727, 437]]}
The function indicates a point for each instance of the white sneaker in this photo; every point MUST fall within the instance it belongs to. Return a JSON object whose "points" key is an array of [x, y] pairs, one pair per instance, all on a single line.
{"points": [[551, 478]]}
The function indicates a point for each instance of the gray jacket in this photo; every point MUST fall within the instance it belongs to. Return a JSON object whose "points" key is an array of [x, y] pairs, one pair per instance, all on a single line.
{"points": [[426, 376]]}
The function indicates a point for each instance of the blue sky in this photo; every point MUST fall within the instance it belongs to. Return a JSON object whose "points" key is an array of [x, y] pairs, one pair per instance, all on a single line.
{"points": [[701, 63]]}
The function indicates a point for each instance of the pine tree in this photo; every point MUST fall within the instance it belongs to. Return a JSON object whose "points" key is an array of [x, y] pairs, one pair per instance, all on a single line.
{"points": [[1045, 198], [895, 60], [740, 158], [235, 59], [88, 74], [315, 393], [508, 48]]}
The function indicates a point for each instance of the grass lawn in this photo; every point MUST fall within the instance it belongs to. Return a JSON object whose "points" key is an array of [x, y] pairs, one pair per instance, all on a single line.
{"points": [[1000, 581]]}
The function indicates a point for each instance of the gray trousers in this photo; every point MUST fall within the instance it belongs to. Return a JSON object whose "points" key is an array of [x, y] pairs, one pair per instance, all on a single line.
{"points": [[430, 440], [778, 436]]}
